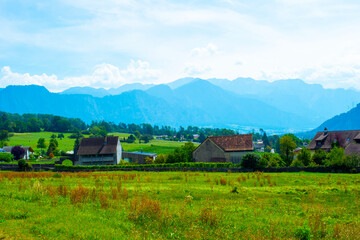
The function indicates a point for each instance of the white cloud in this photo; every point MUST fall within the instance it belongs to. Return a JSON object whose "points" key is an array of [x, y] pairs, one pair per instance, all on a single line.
{"points": [[334, 76], [197, 70], [104, 75], [140, 71], [209, 50]]}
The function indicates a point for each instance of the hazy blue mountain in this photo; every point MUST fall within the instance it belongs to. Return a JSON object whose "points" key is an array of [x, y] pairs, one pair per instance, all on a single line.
{"points": [[310, 101], [95, 92], [197, 103], [346, 121], [180, 82], [163, 91], [294, 96], [101, 92], [231, 108], [129, 87]]}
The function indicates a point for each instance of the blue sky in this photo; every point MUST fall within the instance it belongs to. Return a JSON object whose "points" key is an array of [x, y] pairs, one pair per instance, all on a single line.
{"points": [[108, 43]]}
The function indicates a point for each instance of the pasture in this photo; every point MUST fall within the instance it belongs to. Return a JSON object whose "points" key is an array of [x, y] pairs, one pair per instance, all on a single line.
{"points": [[67, 144], [179, 205]]}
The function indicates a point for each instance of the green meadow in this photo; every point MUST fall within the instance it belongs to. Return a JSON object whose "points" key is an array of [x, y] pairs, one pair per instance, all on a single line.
{"points": [[67, 144], [179, 205]]}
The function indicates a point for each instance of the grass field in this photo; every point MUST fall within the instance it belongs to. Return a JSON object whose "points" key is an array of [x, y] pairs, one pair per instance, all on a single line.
{"points": [[67, 144], [177, 205]]}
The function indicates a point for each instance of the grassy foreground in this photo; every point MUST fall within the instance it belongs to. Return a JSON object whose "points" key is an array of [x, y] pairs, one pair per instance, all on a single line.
{"points": [[174, 205], [67, 144]]}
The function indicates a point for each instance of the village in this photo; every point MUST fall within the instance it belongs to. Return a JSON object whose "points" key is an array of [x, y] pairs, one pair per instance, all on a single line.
{"points": [[217, 149]]}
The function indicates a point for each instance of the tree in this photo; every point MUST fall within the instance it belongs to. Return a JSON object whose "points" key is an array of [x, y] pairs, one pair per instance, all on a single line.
{"points": [[41, 144], [201, 137], [60, 136], [98, 131], [146, 138], [188, 149], [304, 156], [76, 145], [137, 134], [182, 154], [52, 147], [53, 136], [18, 152], [4, 135], [250, 161], [130, 139], [319, 157], [287, 145], [265, 140]]}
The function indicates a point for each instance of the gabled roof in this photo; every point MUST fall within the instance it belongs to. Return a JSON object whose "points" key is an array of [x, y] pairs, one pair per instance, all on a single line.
{"points": [[98, 145], [234, 143], [345, 139]]}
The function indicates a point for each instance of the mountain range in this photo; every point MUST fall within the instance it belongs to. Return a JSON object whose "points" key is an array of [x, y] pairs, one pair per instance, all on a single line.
{"points": [[241, 103], [345, 121]]}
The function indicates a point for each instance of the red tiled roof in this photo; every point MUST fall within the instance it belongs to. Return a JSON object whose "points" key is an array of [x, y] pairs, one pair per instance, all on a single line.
{"points": [[99, 145], [234, 143]]}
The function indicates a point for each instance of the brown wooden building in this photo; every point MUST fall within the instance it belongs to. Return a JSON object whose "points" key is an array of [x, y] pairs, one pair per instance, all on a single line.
{"points": [[224, 148], [349, 140], [99, 151]]}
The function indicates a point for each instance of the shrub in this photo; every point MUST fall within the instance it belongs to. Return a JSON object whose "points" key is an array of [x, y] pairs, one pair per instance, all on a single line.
{"points": [[352, 161], [6, 157], [161, 158], [336, 158], [67, 162], [23, 165], [148, 160], [319, 157], [303, 233], [297, 163], [250, 160], [304, 156]]}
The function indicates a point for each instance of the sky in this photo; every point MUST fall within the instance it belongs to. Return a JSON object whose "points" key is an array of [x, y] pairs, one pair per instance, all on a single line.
{"points": [[66, 43]]}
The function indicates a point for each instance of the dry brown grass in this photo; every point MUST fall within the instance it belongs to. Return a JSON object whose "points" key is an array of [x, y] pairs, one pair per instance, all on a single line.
{"points": [[104, 202], [223, 181], [62, 190], [143, 208], [114, 193], [79, 194], [209, 216]]}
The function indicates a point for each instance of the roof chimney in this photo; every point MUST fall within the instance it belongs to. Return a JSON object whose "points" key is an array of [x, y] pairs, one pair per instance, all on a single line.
{"points": [[325, 131], [105, 140]]}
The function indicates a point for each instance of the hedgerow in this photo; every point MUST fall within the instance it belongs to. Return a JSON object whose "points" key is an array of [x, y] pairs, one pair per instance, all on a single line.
{"points": [[165, 165]]}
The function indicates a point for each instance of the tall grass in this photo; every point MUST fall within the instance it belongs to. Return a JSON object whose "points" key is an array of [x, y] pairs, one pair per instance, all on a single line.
{"points": [[143, 205]]}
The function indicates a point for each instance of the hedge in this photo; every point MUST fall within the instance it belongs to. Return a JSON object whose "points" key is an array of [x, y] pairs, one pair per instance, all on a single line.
{"points": [[6, 157], [165, 165]]}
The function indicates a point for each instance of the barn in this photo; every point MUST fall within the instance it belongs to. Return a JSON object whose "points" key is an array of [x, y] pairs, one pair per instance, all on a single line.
{"points": [[224, 148]]}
